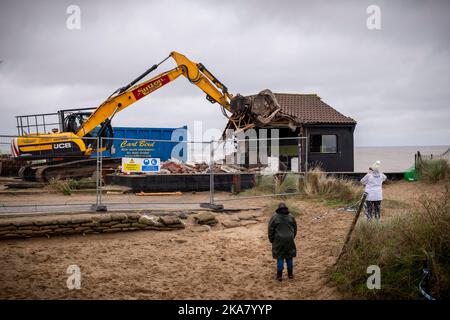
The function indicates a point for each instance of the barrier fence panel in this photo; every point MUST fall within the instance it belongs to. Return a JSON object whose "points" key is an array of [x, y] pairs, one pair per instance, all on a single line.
{"points": [[38, 173], [258, 167], [179, 177], [97, 174], [159, 173]]}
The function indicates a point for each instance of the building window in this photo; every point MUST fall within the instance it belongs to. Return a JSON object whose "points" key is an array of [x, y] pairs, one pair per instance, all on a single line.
{"points": [[323, 143]]}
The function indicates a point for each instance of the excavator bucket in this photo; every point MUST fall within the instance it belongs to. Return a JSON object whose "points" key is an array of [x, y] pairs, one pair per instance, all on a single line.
{"points": [[265, 106], [259, 110]]}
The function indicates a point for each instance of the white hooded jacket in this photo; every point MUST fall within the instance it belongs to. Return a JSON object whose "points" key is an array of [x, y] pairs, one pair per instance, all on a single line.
{"points": [[373, 182]]}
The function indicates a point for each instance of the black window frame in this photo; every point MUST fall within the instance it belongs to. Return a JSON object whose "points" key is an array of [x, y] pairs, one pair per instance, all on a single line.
{"points": [[321, 135]]}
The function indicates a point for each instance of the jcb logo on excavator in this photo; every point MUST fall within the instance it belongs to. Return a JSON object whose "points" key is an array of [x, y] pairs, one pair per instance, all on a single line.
{"points": [[64, 145]]}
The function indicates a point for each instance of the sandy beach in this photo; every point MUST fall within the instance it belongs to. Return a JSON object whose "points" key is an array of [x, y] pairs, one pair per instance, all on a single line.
{"points": [[233, 263]]}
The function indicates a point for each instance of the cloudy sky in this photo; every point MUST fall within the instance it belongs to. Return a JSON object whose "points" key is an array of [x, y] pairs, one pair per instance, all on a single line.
{"points": [[394, 81]]}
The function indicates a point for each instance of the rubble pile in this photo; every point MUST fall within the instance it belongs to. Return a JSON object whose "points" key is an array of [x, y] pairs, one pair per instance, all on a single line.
{"points": [[170, 167], [9, 167]]}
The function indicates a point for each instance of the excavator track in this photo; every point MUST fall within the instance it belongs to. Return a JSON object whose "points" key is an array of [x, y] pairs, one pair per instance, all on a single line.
{"points": [[64, 170]]}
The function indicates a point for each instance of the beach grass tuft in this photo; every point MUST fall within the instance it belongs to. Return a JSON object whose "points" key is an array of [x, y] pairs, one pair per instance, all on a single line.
{"points": [[401, 246]]}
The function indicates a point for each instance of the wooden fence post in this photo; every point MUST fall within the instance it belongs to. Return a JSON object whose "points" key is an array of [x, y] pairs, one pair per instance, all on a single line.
{"points": [[349, 234]]}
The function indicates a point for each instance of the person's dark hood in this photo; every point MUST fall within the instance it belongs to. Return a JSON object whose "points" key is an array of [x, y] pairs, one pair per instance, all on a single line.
{"points": [[282, 211]]}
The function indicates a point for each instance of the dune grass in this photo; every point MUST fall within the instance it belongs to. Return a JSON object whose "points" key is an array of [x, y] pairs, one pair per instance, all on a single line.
{"points": [[395, 204], [67, 186], [272, 184], [317, 184], [400, 246], [290, 184], [433, 170]]}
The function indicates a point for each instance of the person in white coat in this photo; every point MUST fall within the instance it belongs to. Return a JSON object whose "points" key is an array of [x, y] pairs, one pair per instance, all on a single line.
{"points": [[373, 182]]}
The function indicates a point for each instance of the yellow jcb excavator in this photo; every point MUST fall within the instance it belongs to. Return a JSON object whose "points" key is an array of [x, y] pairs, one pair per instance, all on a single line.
{"points": [[245, 113]]}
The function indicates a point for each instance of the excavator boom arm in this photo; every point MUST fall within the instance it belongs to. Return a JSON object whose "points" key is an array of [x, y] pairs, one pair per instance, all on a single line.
{"points": [[196, 73]]}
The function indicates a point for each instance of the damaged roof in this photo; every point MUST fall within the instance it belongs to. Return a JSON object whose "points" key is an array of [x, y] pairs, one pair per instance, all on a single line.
{"points": [[310, 109]]}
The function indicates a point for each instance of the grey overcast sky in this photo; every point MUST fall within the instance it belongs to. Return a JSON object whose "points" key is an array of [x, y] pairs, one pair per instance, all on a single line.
{"points": [[395, 81]]}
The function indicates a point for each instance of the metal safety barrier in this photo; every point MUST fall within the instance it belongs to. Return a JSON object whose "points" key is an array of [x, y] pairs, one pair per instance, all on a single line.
{"points": [[213, 154]]}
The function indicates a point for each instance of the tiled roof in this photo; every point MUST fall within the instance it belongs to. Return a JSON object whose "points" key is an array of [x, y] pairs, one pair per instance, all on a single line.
{"points": [[309, 109]]}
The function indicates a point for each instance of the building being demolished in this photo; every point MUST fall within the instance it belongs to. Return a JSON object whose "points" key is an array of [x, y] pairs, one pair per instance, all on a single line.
{"points": [[253, 111], [299, 129]]}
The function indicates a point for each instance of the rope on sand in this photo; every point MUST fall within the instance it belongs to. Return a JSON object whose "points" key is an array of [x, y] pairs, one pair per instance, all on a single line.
{"points": [[351, 208], [321, 216]]}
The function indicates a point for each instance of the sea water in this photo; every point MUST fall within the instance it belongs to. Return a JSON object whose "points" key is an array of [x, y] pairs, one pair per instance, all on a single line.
{"points": [[393, 159]]}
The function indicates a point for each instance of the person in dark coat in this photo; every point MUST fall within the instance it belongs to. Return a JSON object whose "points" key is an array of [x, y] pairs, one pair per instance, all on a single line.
{"points": [[282, 232]]}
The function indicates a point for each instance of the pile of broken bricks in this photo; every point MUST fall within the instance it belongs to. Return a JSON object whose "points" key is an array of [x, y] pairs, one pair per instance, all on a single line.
{"points": [[170, 167]]}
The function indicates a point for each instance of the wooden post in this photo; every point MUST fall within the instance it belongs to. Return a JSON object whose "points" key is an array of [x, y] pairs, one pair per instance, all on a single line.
{"points": [[302, 149], [236, 184], [415, 161], [349, 234]]}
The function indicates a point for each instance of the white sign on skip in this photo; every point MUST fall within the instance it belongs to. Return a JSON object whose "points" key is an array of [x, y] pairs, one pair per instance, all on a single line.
{"points": [[140, 165]]}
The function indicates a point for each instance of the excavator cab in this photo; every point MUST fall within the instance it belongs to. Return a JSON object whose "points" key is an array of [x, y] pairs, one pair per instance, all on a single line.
{"points": [[74, 121], [56, 135]]}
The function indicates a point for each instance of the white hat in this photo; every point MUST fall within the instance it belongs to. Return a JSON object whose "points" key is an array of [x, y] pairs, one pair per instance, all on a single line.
{"points": [[376, 165]]}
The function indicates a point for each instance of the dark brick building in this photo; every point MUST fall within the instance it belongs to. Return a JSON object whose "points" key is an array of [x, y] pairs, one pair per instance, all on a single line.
{"points": [[329, 133]]}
